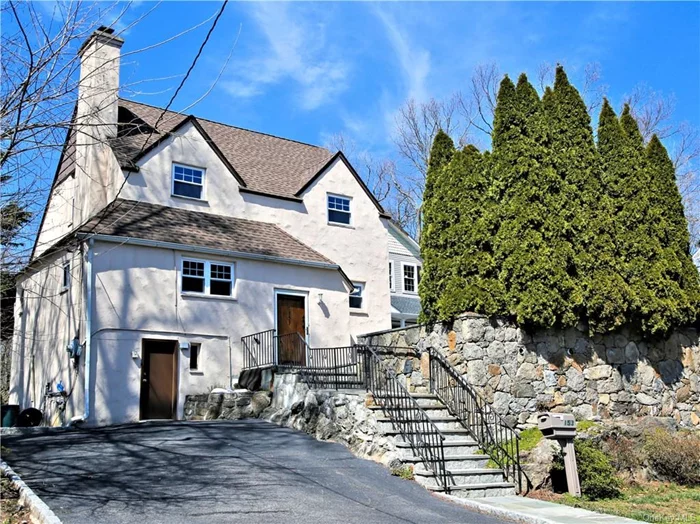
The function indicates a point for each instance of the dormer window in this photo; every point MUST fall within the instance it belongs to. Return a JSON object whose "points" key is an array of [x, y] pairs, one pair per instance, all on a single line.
{"points": [[188, 181], [338, 210]]}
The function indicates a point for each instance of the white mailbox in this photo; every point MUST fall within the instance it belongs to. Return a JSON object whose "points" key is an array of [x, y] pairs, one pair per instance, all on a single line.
{"points": [[557, 425]]}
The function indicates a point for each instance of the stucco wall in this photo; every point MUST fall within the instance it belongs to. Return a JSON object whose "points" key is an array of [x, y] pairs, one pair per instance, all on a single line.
{"points": [[520, 374], [137, 296], [47, 318], [361, 250]]}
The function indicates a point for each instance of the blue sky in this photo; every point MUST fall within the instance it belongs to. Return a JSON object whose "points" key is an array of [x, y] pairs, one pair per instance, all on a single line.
{"points": [[309, 70]]}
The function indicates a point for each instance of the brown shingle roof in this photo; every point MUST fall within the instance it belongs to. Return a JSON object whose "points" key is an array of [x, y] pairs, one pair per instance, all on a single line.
{"points": [[266, 163], [131, 219]]}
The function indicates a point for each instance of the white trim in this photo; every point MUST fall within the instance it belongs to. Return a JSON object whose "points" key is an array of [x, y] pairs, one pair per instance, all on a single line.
{"points": [[294, 293], [415, 278], [202, 185], [350, 224], [392, 276]]}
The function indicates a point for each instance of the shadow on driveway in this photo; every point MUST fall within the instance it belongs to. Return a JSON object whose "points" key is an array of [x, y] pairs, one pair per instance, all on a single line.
{"points": [[217, 472]]}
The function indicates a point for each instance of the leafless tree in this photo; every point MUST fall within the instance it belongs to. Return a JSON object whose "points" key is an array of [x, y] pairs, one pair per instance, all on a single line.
{"points": [[40, 70]]}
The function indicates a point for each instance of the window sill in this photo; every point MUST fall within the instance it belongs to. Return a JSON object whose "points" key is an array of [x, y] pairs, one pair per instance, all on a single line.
{"points": [[359, 312], [200, 200], [63, 291], [185, 294], [338, 224], [196, 372]]}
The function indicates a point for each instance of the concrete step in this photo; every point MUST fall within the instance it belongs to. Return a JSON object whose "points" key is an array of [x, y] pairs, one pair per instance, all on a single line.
{"points": [[471, 491], [450, 435], [466, 461], [432, 411], [453, 448], [459, 477], [442, 423]]}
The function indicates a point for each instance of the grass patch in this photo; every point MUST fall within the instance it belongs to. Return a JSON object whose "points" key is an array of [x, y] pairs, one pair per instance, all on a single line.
{"points": [[404, 472], [529, 438], [586, 426], [658, 502]]}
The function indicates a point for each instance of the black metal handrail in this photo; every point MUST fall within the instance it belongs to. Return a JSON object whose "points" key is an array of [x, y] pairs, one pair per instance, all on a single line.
{"points": [[406, 415], [338, 367], [259, 349], [499, 440], [292, 350]]}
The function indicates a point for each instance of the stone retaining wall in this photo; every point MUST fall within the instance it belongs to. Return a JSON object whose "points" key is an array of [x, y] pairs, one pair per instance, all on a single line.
{"points": [[617, 375], [235, 405]]}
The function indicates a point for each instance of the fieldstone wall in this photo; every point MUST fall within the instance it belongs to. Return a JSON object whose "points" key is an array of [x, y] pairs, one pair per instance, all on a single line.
{"points": [[340, 416], [519, 373], [238, 404]]}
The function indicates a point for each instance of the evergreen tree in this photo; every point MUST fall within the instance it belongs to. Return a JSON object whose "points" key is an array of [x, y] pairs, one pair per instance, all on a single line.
{"points": [[472, 278], [533, 257], [437, 218], [601, 294]]}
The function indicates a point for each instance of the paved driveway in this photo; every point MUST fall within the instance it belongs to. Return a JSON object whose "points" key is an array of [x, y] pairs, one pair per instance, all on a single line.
{"points": [[213, 472]]}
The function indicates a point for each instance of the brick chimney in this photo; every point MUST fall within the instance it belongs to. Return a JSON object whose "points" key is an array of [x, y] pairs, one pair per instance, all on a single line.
{"points": [[97, 112]]}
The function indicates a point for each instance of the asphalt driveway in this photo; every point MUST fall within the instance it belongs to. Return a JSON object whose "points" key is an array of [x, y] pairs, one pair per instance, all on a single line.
{"points": [[214, 472]]}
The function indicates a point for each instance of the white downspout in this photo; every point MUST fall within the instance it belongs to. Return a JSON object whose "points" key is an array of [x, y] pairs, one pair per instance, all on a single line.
{"points": [[88, 327]]}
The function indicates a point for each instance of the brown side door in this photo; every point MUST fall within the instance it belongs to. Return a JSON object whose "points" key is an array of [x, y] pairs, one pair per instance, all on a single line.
{"points": [[291, 318], [159, 379]]}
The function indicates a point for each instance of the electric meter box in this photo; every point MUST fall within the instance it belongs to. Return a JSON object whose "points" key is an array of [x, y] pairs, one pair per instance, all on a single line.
{"points": [[557, 425]]}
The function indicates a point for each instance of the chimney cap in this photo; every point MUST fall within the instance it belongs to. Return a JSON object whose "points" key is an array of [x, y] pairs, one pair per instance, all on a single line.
{"points": [[103, 35]]}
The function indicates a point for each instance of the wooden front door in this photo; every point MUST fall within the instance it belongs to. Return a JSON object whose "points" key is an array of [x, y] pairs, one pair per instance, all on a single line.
{"points": [[159, 379], [291, 319]]}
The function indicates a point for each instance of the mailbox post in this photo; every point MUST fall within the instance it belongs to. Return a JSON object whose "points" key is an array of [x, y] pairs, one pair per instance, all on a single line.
{"points": [[562, 428]]}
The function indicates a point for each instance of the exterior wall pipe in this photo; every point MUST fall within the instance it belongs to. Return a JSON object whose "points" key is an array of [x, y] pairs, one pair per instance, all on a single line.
{"points": [[88, 326]]}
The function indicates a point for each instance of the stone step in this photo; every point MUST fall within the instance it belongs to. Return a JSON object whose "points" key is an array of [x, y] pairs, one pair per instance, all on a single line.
{"points": [[464, 461], [470, 491], [422, 399], [432, 411], [449, 434], [459, 477], [452, 448]]}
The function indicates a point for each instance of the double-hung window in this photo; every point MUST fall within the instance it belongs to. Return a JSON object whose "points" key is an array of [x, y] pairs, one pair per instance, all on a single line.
{"points": [[188, 181], [391, 275], [338, 209], [208, 278], [356, 296], [411, 278]]}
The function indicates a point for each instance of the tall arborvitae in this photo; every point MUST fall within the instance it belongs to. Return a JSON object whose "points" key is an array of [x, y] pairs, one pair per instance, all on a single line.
{"points": [[601, 293], [533, 258], [674, 272], [436, 218], [472, 283]]}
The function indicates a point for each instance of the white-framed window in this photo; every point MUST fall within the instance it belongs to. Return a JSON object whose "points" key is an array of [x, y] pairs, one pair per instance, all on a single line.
{"points": [[410, 277], [194, 356], [188, 181], [356, 296], [391, 275], [66, 276], [206, 277], [338, 209]]}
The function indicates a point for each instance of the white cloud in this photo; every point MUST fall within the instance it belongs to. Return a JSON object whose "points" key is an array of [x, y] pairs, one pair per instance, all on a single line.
{"points": [[295, 51], [414, 61]]}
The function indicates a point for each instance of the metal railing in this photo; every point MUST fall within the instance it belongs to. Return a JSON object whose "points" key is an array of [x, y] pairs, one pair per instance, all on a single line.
{"points": [[259, 349], [337, 368], [406, 415], [291, 350], [493, 434]]}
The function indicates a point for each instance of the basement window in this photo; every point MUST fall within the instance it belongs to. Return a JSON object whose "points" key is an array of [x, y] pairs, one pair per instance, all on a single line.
{"points": [[194, 357], [207, 278], [188, 181]]}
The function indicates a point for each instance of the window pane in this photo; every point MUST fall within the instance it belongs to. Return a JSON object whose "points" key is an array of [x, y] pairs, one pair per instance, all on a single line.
{"points": [[409, 278], [220, 287], [193, 268], [391, 275], [356, 302], [194, 356], [220, 271], [66, 275], [188, 190], [193, 284], [338, 216]]}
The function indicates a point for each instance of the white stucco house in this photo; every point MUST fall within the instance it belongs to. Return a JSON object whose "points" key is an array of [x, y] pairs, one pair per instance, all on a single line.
{"points": [[405, 266], [167, 238]]}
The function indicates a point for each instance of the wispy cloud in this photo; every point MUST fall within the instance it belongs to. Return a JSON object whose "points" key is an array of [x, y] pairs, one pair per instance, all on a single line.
{"points": [[295, 49], [413, 61]]}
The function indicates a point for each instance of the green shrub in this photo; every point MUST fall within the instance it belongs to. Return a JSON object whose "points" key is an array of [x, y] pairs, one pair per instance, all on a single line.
{"points": [[674, 456], [405, 472], [625, 454], [596, 473]]}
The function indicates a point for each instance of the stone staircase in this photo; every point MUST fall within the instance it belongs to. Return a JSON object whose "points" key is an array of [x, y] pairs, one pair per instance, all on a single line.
{"points": [[466, 465]]}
